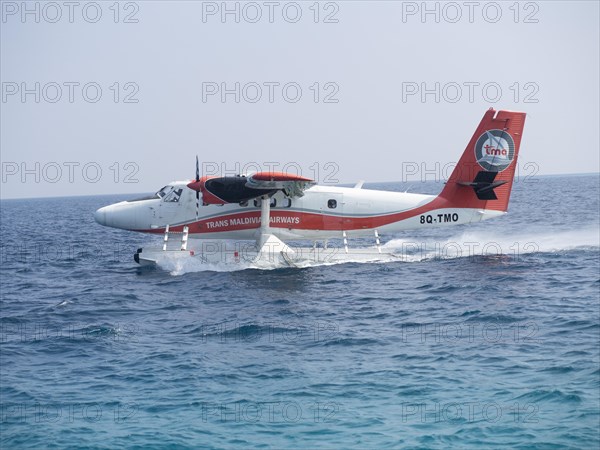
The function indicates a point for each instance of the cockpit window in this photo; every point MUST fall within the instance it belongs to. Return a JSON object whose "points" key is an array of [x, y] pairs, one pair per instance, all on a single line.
{"points": [[173, 196], [164, 191]]}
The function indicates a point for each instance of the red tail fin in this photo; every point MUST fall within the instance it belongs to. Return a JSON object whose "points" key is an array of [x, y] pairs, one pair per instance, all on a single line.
{"points": [[484, 175]]}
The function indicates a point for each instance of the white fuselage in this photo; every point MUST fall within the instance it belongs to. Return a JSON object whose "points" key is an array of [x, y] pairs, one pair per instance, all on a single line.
{"points": [[323, 212]]}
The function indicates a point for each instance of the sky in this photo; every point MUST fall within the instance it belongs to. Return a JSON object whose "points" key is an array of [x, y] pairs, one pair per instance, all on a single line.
{"points": [[107, 98]]}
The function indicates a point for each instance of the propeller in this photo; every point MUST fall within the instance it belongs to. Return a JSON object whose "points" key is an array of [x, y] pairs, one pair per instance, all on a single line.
{"points": [[197, 192]]}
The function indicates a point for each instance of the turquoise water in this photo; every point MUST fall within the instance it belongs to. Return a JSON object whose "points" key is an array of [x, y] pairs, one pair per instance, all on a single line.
{"points": [[485, 336]]}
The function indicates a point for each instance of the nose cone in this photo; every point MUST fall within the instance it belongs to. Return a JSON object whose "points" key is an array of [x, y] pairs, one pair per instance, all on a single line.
{"points": [[100, 216], [120, 215], [196, 185]]}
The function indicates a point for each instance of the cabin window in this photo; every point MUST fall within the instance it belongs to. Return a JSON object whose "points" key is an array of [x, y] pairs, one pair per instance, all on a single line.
{"points": [[331, 203], [244, 203], [273, 202], [287, 203], [256, 202]]}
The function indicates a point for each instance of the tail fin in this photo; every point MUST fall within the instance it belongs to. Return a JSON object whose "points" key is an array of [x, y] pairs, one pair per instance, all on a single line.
{"points": [[484, 175]]}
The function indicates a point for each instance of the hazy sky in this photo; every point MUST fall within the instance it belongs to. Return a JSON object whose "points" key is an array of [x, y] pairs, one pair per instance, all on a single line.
{"points": [[99, 99]]}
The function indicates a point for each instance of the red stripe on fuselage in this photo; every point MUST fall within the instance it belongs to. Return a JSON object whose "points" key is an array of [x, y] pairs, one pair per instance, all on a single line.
{"points": [[296, 220]]}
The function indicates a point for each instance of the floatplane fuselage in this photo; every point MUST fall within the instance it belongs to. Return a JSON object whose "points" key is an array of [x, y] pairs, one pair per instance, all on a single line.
{"points": [[323, 212], [287, 207]]}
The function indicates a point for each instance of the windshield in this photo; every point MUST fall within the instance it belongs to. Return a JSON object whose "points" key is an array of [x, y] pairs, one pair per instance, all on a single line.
{"points": [[160, 194], [164, 191], [173, 196]]}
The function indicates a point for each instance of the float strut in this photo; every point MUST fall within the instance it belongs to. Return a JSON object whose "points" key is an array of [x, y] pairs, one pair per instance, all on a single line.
{"points": [[377, 242]]}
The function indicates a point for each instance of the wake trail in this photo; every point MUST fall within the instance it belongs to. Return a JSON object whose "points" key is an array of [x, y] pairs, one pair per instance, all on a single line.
{"points": [[477, 243], [466, 244]]}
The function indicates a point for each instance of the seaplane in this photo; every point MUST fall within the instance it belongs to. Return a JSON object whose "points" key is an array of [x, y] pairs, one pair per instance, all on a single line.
{"points": [[257, 217]]}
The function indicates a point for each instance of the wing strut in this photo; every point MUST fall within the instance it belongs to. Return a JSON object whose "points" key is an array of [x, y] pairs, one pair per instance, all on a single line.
{"points": [[269, 245]]}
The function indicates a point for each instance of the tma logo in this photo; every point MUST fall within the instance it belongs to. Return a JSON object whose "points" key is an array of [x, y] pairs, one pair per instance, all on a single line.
{"points": [[495, 150]]}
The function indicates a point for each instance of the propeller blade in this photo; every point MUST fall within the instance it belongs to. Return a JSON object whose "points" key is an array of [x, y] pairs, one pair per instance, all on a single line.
{"points": [[197, 192]]}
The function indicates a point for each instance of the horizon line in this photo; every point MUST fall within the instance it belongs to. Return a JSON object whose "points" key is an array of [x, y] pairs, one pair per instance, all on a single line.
{"points": [[338, 184]]}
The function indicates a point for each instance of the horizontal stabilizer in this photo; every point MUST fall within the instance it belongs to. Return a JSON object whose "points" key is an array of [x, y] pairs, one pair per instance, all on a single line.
{"points": [[484, 185]]}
